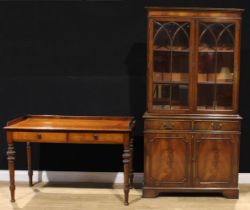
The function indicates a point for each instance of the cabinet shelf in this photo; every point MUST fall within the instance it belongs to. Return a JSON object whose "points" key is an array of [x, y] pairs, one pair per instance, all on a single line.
{"points": [[167, 107], [218, 49], [165, 77], [171, 82], [213, 83], [201, 49], [214, 108], [169, 49]]}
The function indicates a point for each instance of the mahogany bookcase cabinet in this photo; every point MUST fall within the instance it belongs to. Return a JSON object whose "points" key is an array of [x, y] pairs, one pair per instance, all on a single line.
{"points": [[191, 127]]}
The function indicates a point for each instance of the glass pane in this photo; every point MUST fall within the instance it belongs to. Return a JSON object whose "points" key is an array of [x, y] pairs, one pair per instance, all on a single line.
{"points": [[206, 99], [205, 96], [180, 67], [215, 65], [170, 96], [161, 66], [224, 97], [170, 65]]}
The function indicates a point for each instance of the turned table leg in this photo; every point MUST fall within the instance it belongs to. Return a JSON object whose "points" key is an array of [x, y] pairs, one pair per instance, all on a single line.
{"points": [[126, 160], [131, 174], [11, 158], [29, 161]]}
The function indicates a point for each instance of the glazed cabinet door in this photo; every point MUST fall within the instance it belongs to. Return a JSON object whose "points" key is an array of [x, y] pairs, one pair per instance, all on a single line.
{"points": [[167, 160], [217, 67], [215, 160], [169, 65]]}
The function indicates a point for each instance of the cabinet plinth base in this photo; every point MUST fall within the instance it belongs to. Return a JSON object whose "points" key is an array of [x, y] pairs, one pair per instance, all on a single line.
{"points": [[146, 193], [231, 194], [151, 192]]}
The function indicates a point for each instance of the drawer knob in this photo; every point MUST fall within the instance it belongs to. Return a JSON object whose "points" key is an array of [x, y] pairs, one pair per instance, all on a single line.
{"points": [[168, 125], [39, 136], [95, 136], [216, 126]]}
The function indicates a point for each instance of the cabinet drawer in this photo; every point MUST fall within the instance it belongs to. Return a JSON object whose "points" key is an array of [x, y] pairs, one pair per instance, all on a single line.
{"points": [[168, 124], [217, 125], [95, 138], [39, 136]]}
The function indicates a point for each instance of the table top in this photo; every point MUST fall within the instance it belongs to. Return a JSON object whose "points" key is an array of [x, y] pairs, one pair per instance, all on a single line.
{"points": [[71, 123]]}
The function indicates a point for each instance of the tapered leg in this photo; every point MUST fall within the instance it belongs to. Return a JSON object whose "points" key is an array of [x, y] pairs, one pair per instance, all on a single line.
{"points": [[131, 174], [126, 160], [11, 158], [29, 161]]}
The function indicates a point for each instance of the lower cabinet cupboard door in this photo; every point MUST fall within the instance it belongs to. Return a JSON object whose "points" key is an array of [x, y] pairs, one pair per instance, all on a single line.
{"points": [[216, 160], [167, 160]]}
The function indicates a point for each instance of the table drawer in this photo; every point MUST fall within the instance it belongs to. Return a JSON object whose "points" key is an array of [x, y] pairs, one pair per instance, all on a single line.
{"points": [[95, 138], [217, 125], [168, 124], [39, 136]]}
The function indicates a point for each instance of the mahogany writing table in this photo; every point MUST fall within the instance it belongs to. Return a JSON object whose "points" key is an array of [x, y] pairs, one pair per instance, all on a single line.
{"points": [[71, 130]]}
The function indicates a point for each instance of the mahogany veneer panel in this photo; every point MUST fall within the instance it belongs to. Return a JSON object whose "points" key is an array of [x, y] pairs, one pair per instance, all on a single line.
{"points": [[168, 124], [96, 138], [217, 125], [39, 137]]}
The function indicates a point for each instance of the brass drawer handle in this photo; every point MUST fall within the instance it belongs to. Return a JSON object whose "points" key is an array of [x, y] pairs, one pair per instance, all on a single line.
{"points": [[39, 136], [216, 126], [95, 136], [168, 126]]}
